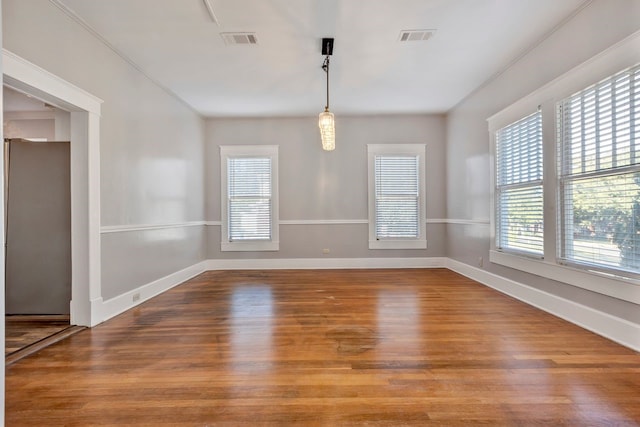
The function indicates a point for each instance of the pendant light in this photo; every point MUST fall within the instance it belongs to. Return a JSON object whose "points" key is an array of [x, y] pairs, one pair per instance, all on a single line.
{"points": [[326, 121]]}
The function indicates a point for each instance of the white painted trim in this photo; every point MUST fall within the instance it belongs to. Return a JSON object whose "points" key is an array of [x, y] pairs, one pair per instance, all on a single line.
{"points": [[615, 58], [144, 227], [323, 263], [610, 61], [461, 221], [523, 54], [363, 221], [73, 15], [264, 151], [398, 244], [2, 247], [420, 152], [29, 115], [26, 77], [114, 306], [323, 221], [618, 287], [614, 328], [44, 85]]}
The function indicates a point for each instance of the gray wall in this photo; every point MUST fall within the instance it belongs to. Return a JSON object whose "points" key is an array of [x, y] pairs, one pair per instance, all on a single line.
{"points": [[599, 25], [327, 186], [151, 146]]}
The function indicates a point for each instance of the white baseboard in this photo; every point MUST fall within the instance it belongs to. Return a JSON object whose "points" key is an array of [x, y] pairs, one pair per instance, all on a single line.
{"points": [[614, 328], [324, 263], [114, 306]]}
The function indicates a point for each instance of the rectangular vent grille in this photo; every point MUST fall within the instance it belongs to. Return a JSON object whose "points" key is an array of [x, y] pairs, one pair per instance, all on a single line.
{"points": [[239, 38], [415, 35]]}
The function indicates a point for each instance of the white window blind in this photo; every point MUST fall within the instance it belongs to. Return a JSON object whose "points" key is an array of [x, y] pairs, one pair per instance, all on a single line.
{"points": [[519, 196], [599, 168], [397, 196], [397, 212], [249, 198]]}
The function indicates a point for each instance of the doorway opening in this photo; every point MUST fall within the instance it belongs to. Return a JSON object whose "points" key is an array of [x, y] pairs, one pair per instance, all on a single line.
{"points": [[83, 112], [37, 207]]}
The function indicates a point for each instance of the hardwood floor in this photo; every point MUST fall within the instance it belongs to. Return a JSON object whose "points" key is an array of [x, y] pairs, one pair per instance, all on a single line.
{"points": [[329, 348], [24, 330]]}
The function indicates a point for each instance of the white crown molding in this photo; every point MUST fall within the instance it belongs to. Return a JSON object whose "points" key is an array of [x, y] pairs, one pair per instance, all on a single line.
{"points": [[73, 15], [523, 54], [625, 53]]}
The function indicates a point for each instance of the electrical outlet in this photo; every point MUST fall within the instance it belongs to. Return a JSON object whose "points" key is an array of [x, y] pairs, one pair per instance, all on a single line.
{"points": [[136, 297], [480, 261], [325, 251]]}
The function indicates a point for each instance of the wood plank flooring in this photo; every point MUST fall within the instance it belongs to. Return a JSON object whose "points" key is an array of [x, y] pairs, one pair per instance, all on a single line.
{"points": [[328, 348], [23, 330]]}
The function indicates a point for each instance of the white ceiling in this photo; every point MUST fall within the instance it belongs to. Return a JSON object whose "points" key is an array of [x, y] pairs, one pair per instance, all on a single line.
{"points": [[176, 44]]}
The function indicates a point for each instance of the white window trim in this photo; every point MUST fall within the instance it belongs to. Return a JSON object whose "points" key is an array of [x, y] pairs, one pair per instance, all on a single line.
{"points": [[227, 151], [496, 206], [394, 149], [622, 55]]}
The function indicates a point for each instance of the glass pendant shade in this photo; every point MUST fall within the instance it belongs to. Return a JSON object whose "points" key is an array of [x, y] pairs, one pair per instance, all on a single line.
{"points": [[327, 127]]}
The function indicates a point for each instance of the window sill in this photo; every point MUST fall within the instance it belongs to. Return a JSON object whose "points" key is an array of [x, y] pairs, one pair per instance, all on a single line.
{"points": [[249, 246], [397, 244], [617, 287]]}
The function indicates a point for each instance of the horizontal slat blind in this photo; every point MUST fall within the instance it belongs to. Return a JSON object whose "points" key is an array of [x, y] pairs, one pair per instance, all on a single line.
{"points": [[519, 208], [249, 194], [397, 196], [600, 173]]}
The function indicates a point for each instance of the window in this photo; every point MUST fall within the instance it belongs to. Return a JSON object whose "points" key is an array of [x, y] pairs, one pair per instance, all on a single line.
{"points": [[519, 197], [249, 197], [396, 196], [599, 173], [591, 146]]}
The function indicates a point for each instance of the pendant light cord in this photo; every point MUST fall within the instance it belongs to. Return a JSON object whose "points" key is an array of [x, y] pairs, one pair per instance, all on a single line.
{"points": [[325, 67]]}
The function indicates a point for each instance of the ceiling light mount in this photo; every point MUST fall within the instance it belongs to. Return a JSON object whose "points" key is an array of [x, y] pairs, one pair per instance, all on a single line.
{"points": [[327, 47], [326, 121]]}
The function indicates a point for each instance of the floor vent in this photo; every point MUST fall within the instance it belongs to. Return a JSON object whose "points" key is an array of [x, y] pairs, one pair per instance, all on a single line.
{"points": [[415, 35], [239, 38]]}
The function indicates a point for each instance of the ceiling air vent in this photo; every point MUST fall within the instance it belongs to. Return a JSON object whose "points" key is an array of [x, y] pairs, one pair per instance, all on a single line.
{"points": [[415, 35], [239, 38]]}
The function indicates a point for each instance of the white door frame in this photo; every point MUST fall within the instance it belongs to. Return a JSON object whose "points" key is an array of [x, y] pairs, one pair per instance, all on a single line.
{"points": [[22, 75]]}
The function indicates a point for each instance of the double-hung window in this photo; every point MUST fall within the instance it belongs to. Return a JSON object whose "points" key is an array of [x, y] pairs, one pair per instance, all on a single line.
{"points": [[397, 196], [519, 192], [599, 174], [249, 178]]}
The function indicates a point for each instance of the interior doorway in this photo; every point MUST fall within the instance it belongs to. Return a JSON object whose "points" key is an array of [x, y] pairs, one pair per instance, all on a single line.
{"points": [[84, 128], [37, 208]]}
